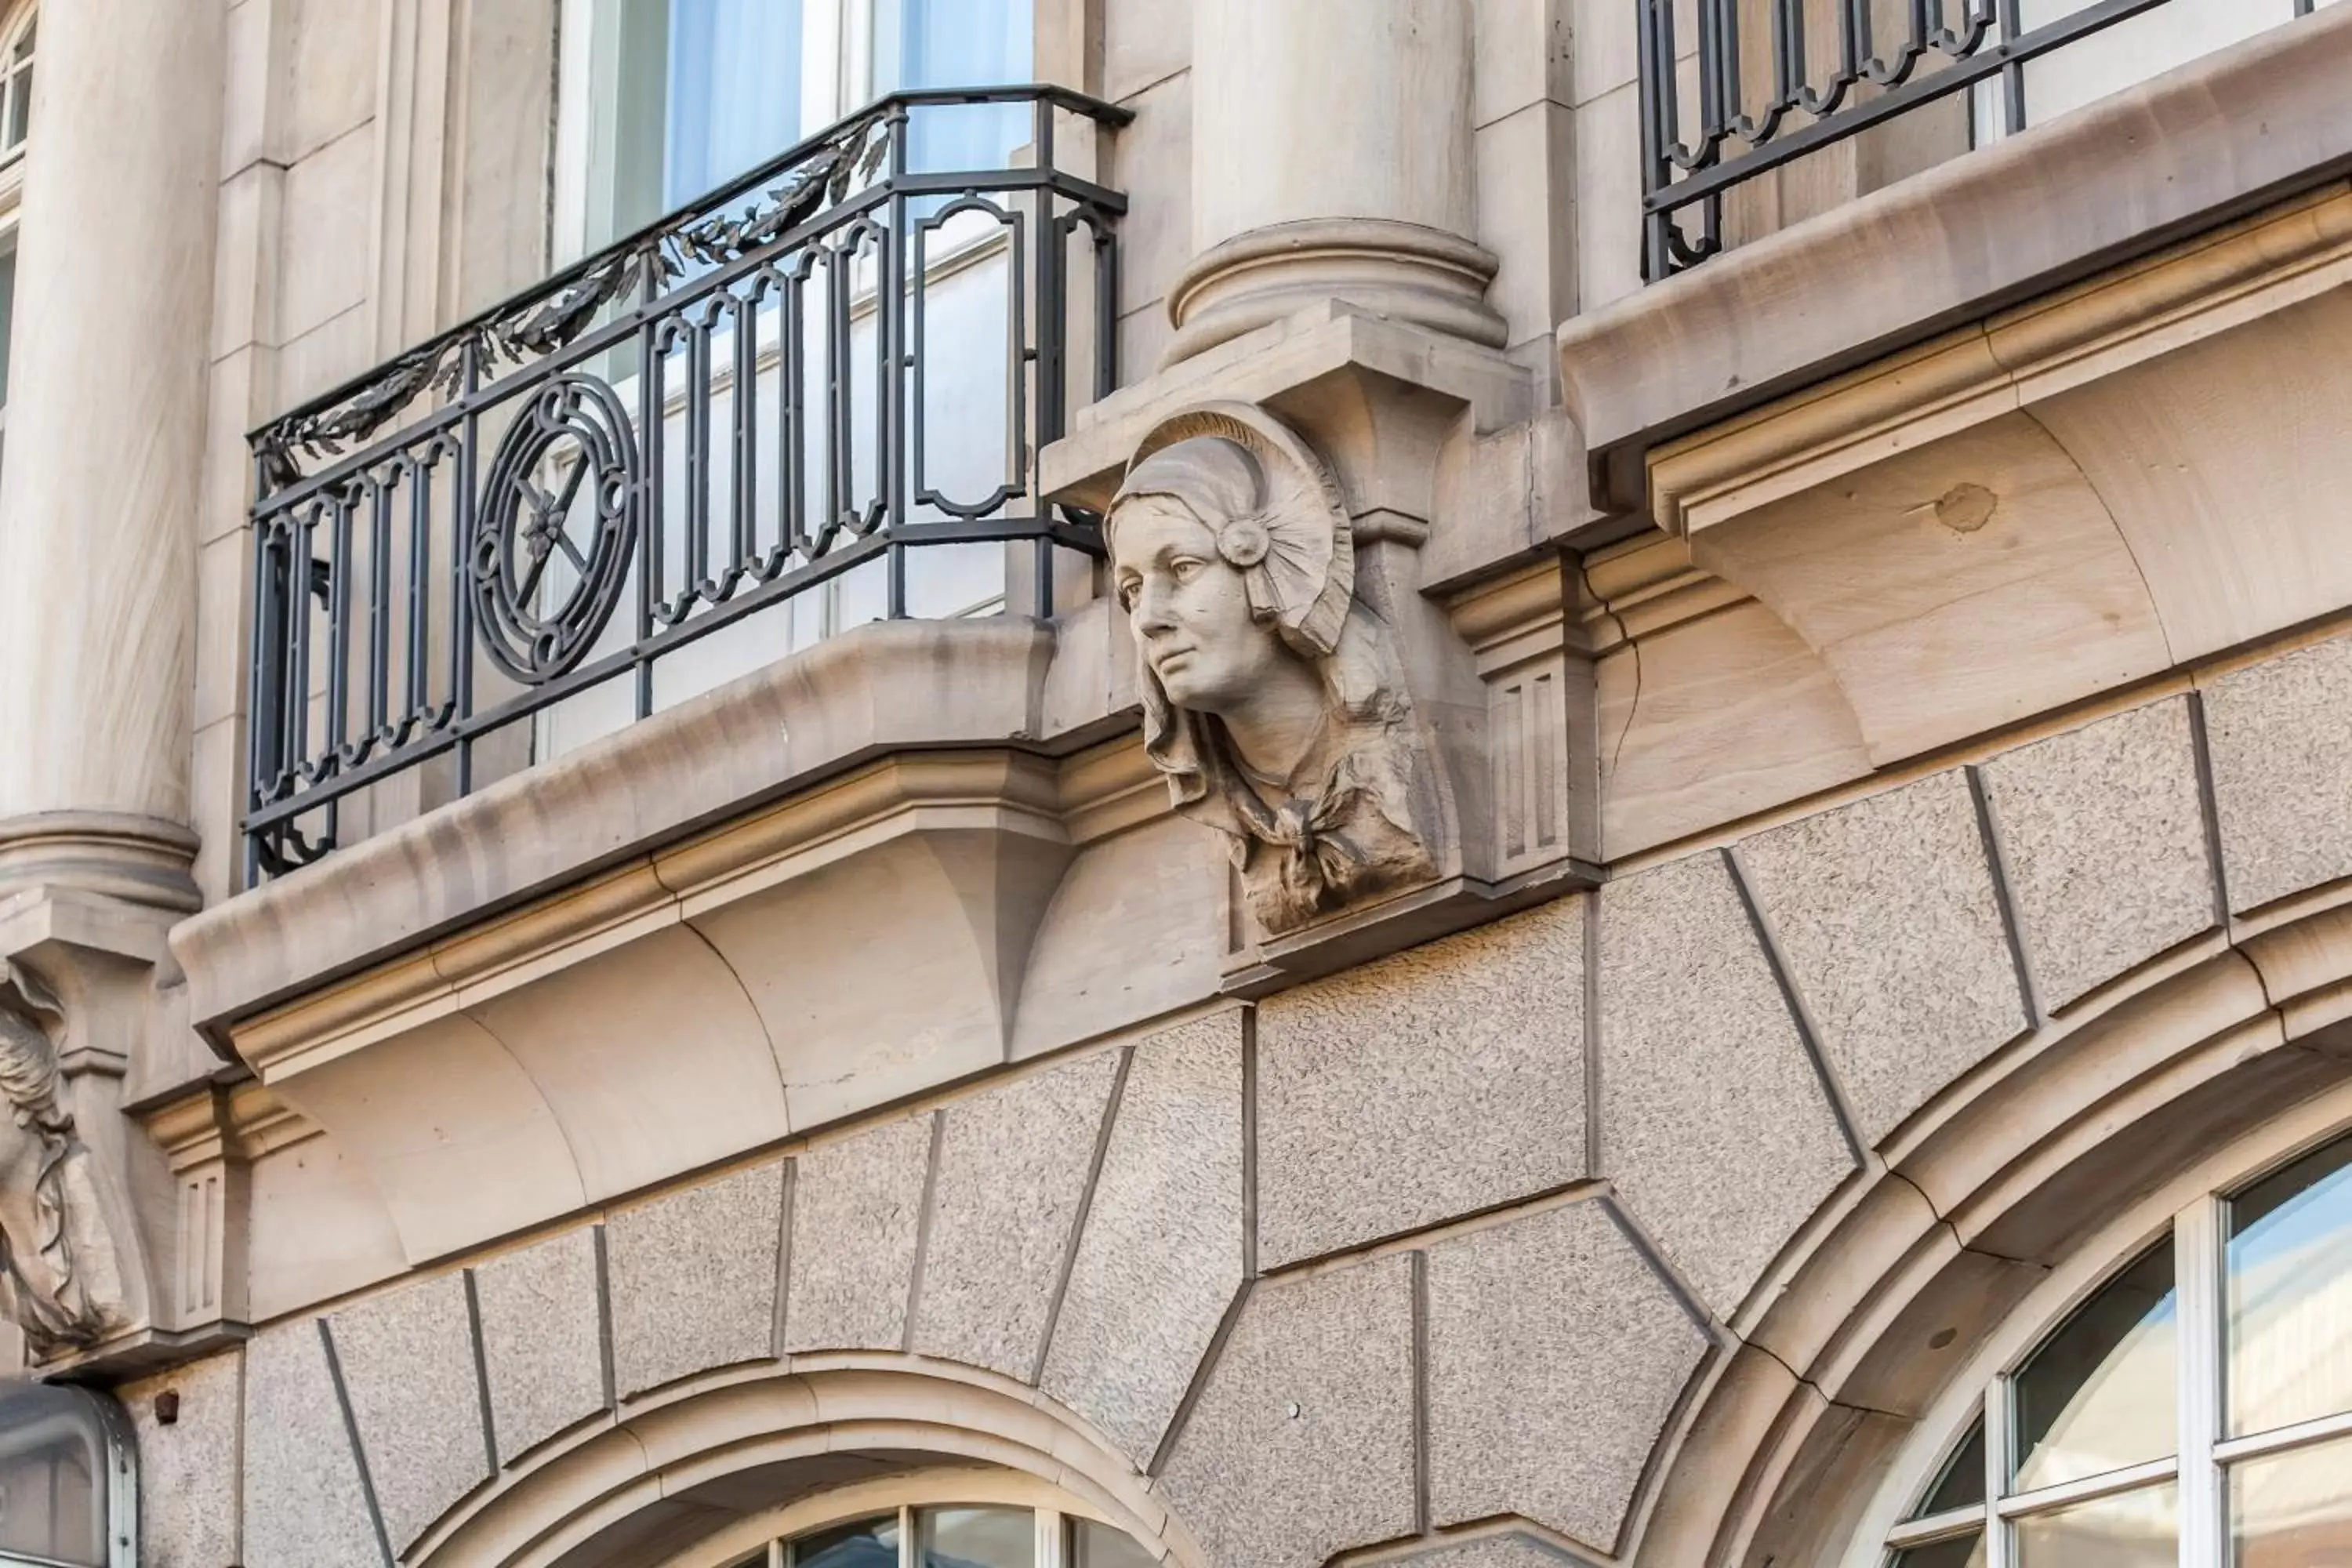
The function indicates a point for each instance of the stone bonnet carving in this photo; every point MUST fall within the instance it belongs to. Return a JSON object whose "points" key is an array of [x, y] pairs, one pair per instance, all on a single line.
{"points": [[59, 1280], [1273, 698]]}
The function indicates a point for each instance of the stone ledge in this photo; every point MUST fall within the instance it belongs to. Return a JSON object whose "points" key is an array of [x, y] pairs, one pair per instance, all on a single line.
{"points": [[890, 686], [2222, 136]]}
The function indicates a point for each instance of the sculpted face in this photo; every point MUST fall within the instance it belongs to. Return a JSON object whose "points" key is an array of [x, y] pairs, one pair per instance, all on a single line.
{"points": [[1190, 608]]}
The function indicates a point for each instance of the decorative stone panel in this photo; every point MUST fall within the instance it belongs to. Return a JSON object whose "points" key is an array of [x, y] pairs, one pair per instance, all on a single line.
{"points": [[693, 1278], [306, 1503], [1714, 1124], [1160, 1255], [1302, 1443], [1014, 1165], [2283, 772], [543, 1348], [188, 1468], [1511, 1549], [1555, 1357], [1887, 915], [414, 1386], [2103, 841], [1443, 1080], [858, 1207]]}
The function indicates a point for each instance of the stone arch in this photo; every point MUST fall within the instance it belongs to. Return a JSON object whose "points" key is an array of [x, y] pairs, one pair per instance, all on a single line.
{"points": [[1882, 1303], [675, 1469]]}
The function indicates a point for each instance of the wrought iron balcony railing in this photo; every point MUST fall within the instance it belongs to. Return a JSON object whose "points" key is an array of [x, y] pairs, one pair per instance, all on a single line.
{"points": [[809, 399], [1779, 80]]}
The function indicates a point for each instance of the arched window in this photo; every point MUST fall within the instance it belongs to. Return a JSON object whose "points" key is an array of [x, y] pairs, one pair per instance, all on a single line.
{"points": [[954, 1519], [2195, 1409]]}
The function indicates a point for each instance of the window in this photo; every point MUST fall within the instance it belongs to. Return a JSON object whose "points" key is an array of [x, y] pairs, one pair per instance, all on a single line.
{"points": [[960, 1536], [17, 88], [665, 100], [2196, 1409]]}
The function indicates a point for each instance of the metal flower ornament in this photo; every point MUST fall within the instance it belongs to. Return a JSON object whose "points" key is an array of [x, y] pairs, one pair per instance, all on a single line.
{"points": [[1273, 696]]}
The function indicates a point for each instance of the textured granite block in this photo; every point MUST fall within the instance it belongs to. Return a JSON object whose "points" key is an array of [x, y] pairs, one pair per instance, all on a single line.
{"points": [[1160, 1257], [2104, 831], [187, 1471], [2282, 748], [857, 1208], [694, 1278], [1302, 1442], [1447, 1078], [1012, 1171], [415, 1394], [543, 1340], [1885, 912], [1510, 1549], [305, 1505], [1714, 1125], [1555, 1356]]}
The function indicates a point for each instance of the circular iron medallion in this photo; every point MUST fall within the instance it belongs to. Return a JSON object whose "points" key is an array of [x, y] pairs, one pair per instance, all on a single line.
{"points": [[558, 522]]}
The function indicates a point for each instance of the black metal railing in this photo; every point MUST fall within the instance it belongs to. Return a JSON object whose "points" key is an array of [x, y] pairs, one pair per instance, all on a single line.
{"points": [[816, 393], [1764, 102]]}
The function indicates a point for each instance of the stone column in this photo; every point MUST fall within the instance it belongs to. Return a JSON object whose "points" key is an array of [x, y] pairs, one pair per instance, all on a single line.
{"points": [[1331, 160], [106, 428], [98, 495]]}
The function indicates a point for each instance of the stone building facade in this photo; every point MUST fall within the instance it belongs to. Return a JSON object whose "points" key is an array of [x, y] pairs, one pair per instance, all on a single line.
{"points": [[1471, 783]]}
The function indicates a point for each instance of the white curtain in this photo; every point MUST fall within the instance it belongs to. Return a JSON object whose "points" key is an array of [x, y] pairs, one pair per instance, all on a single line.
{"points": [[957, 43], [734, 90]]}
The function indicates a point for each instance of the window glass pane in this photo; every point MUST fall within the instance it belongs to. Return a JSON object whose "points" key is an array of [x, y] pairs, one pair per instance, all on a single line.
{"points": [[976, 1538], [1095, 1546], [2290, 1294], [2136, 1529], [2293, 1510], [7, 307], [1969, 1551], [869, 1543], [957, 43], [2099, 1393], [734, 90], [1963, 1478]]}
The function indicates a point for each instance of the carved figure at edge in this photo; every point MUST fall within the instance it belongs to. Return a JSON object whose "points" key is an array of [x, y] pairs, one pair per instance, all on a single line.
{"points": [[1272, 698], [58, 1279]]}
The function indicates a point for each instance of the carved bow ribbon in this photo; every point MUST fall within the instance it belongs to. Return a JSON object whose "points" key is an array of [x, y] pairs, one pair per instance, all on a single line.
{"points": [[1316, 860]]}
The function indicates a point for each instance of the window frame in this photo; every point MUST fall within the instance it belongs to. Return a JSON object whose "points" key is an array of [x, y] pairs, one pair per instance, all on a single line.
{"points": [[2192, 1212], [904, 1494], [14, 22]]}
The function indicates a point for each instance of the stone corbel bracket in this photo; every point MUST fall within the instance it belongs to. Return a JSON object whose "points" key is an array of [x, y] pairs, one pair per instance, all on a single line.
{"points": [[1410, 420]]}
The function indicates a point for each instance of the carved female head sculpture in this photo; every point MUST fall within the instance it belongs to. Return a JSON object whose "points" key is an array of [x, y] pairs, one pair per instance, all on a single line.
{"points": [[1272, 697]]}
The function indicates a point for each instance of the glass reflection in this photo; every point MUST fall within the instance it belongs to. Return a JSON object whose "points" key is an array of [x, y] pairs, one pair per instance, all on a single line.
{"points": [[869, 1543], [1095, 1546], [2290, 1294], [1969, 1551], [2098, 1394], [2136, 1530], [2293, 1510], [976, 1538], [1962, 1482]]}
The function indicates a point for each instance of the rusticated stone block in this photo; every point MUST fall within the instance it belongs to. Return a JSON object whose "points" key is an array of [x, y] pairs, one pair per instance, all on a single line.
{"points": [[1555, 1356], [2283, 772], [305, 1504], [1012, 1171], [857, 1210], [2103, 833], [694, 1278], [415, 1391], [543, 1340], [1886, 913], [1160, 1256], [187, 1471], [1714, 1125], [1302, 1443], [1443, 1080]]}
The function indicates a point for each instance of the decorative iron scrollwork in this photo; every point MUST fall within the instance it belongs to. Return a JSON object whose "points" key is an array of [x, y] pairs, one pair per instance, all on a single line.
{"points": [[574, 441]]}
